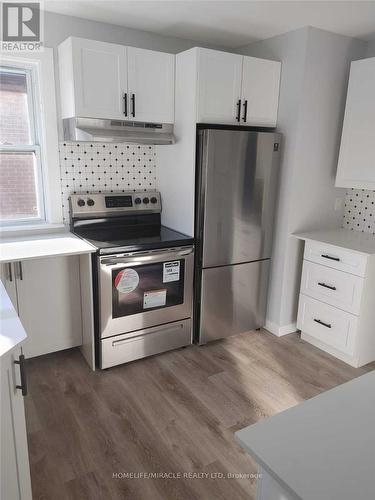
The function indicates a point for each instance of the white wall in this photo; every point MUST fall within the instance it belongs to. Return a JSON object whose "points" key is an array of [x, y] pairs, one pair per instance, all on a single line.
{"points": [[58, 27], [370, 52], [315, 70]]}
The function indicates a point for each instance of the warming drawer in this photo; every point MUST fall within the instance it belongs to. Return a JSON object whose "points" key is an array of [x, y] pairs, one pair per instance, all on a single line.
{"points": [[142, 343]]}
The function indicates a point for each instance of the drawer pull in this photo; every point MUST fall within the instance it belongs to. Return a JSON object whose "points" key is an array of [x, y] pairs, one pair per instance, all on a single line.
{"points": [[327, 286], [327, 325], [325, 256]]}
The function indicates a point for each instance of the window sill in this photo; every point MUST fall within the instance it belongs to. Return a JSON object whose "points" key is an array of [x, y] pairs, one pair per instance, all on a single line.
{"points": [[9, 231]]}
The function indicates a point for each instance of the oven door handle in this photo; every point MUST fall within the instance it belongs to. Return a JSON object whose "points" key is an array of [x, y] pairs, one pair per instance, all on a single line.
{"points": [[145, 258]]}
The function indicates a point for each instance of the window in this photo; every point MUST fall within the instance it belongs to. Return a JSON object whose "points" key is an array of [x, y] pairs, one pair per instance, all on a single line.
{"points": [[21, 180], [30, 188]]}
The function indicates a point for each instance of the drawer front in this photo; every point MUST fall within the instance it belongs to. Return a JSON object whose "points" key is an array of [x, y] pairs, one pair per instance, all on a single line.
{"points": [[328, 324], [129, 347], [336, 257], [334, 287]]}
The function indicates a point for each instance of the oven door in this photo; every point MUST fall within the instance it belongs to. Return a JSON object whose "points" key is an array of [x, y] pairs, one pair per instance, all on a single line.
{"points": [[145, 289]]}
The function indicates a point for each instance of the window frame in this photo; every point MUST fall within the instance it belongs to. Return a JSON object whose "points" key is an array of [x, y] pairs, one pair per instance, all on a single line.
{"points": [[44, 94], [32, 86]]}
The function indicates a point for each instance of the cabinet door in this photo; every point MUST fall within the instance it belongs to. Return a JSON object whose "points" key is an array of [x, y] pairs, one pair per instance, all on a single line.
{"points": [[356, 166], [219, 86], [100, 79], [260, 91], [15, 473], [8, 278], [49, 304], [151, 81]]}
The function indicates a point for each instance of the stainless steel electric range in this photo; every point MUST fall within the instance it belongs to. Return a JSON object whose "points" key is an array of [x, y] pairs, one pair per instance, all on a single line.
{"points": [[143, 275]]}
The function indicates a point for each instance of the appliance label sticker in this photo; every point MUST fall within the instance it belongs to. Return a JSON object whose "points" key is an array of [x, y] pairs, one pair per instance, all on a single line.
{"points": [[171, 271], [127, 281], [156, 298]]}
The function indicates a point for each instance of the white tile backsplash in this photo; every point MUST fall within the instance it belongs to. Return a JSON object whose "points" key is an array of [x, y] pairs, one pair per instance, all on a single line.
{"points": [[105, 167], [359, 214]]}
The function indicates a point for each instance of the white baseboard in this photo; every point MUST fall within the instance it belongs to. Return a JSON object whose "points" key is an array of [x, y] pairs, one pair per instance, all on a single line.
{"points": [[278, 330]]}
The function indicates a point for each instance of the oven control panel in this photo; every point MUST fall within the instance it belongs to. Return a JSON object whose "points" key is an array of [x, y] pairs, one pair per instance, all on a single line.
{"points": [[106, 204]]}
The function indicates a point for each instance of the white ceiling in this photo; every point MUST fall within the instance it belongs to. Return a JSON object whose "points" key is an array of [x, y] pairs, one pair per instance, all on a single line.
{"points": [[228, 23]]}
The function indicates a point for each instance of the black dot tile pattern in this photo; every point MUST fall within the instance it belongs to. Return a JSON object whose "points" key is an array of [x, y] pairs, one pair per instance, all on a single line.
{"points": [[359, 213], [105, 167]]}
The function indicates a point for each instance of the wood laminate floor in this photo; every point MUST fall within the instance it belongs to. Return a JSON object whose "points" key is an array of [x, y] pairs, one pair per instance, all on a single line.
{"points": [[173, 414]]}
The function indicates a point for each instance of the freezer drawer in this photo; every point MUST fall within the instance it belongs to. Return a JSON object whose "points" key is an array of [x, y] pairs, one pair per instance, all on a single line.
{"points": [[233, 299], [142, 343]]}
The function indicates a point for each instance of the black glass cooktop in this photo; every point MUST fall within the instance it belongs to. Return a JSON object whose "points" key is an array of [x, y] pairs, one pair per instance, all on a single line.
{"points": [[121, 239]]}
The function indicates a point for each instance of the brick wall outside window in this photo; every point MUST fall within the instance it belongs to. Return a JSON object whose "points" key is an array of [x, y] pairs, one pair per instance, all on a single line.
{"points": [[18, 197]]}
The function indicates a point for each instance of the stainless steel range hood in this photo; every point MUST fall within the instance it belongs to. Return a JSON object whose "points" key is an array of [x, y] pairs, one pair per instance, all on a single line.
{"points": [[98, 130]]}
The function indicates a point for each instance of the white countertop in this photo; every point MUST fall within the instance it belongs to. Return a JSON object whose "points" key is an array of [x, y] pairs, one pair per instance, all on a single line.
{"points": [[322, 448], [11, 329], [356, 241], [42, 245]]}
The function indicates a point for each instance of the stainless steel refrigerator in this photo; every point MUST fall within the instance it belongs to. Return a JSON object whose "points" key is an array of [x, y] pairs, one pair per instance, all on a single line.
{"points": [[237, 173]]}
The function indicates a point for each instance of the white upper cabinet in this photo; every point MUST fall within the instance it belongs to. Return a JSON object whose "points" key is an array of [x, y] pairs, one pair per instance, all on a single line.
{"points": [[219, 86], [105, 80], [356, 166], [260, 91], [235, 89], [93, 79], [151, 85]]}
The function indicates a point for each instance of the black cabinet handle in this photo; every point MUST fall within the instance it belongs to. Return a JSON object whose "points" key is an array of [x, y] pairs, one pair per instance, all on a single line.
{"points": [[327, 325], [20, 271], [23, 386], [126, 104], [244, 118], [327, 286], [238, 117], [10, 274], [133, 105], [325, 256]]}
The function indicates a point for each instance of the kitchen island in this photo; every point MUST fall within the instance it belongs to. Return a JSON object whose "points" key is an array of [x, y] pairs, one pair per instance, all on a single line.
{"points": [[321, 449]]}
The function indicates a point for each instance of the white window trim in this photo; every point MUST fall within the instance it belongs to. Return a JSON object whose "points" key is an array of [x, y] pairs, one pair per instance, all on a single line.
{"points": [[45, 95]]}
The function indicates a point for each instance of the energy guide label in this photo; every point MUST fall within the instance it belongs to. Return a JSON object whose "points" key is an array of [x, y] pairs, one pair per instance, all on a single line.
{"points": [[171, 271]]}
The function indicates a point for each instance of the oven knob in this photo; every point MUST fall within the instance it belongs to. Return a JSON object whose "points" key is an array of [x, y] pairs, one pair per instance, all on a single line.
{"points": [[154, 200], [81, 203], [146, 201], [90, 202], [137, 201]]}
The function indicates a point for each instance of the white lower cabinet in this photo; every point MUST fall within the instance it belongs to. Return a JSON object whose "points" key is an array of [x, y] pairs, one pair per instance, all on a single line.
{"points": [[15, 472], [336, 305], [46, 294], [334, 327]]}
